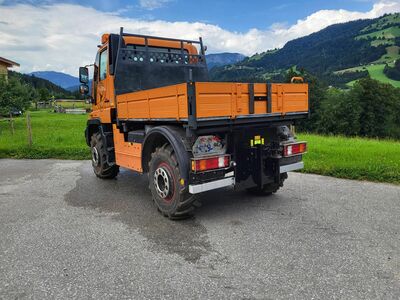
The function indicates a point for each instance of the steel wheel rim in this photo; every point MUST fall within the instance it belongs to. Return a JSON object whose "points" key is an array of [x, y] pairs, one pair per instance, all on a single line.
{"points": [[162, 182]]}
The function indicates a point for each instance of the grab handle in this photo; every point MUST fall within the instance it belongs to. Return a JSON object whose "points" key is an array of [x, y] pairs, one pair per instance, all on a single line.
{"points": [[298, 78]]}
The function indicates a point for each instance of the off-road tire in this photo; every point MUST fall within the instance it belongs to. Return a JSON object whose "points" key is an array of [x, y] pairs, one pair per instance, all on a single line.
{"points": [[99, 158], [268, 189], [171, 198]]}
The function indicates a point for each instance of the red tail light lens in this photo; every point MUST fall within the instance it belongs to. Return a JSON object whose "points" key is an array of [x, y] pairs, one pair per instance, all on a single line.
{"points": [[210, 163], [294, 149]]}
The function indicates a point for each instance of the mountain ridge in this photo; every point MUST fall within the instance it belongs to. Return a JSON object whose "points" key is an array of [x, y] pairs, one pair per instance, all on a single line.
{"points": [[323, 53], [58, 78]]}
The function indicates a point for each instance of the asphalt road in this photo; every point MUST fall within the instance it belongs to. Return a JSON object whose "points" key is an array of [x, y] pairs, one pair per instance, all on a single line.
{"points": [[66, 234]]}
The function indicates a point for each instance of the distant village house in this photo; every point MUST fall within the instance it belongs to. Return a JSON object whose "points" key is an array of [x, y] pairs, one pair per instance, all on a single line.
{"points": [[4, 65]]}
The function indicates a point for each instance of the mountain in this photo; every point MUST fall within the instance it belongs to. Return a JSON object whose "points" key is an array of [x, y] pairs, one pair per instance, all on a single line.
{"points": [[339, 54], [40, 83], [75, 88], [222, 59], [61, 79]]}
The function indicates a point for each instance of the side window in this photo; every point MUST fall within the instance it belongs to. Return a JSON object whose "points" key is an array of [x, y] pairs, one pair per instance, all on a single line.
{"points": [[96, 67], [103, 64]]}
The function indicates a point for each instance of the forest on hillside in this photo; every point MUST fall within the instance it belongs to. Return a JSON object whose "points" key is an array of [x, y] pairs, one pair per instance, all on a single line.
{"points": [[20, 91], [338, 54], [369, 108]]}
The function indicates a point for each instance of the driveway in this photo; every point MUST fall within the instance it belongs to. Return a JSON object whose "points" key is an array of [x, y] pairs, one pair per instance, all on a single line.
{"points": [[66, 234]]}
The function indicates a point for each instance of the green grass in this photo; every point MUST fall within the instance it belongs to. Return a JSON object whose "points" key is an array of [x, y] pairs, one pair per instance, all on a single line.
{"points": [[377, 43], [388, 33], [393, 18], [61, 136], [392, 54], [353, 158], [54, 136], [73, 104], [375, 71]]}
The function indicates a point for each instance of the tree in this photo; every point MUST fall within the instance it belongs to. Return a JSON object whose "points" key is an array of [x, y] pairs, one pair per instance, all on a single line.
{"points": [[339, 114], [379, 108], [370, 108], [14, 96], [317, 94]]}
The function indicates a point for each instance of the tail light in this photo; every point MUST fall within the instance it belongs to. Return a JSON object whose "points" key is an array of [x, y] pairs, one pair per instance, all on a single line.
{"points": [[210, 163], [294, 149]]}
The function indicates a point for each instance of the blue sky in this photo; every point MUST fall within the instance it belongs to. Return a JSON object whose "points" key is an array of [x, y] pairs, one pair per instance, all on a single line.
{"points": [[235, 15], [61, 35]]}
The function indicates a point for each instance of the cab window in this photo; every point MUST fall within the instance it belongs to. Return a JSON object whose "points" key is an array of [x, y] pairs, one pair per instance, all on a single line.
{"points": [[103, 65]]}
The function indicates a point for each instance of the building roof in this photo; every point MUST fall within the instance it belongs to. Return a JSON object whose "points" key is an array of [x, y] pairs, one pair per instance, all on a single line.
{"points": [[8, 62]]}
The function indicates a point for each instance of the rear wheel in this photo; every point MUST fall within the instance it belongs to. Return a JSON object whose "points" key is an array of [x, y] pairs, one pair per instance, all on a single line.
{"points": [[101, 167], [170, 197], [268, 189]]}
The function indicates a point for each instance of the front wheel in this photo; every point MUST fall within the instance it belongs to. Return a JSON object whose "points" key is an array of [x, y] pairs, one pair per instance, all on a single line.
{"points": [[101, 167], [170, 197]]}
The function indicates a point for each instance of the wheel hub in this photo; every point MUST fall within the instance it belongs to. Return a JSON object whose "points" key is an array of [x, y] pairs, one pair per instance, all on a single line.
{"points": [[95, 156], [162, 183]]}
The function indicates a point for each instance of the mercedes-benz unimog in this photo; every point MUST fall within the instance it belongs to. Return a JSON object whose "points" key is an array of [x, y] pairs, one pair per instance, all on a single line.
{"points": [[155, 111]]}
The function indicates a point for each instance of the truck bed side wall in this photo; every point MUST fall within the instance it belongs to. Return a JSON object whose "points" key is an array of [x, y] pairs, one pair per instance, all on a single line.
{"points": [[162, 103], [213, 99]]}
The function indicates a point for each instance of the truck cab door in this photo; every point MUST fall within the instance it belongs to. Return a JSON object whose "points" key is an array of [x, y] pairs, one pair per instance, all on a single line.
{"points": [[100, 92]]}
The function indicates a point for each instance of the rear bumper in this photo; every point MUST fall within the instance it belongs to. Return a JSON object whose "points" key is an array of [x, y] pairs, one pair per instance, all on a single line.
{"points": [[203, 187], [291, 167]]}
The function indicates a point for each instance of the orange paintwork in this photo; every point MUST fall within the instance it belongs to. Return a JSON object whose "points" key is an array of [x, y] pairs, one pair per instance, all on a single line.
{"points": [[160, 103], [213, 99], [288, 97], [133, 40], [127, 155], [103, 114]]}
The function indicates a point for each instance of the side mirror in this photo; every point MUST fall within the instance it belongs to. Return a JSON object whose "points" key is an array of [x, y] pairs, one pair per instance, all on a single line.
{"points": [[84, 89], [84, 75]]}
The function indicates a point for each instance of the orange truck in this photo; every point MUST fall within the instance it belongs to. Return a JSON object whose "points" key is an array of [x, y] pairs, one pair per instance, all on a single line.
{"points": [[156, 112]]}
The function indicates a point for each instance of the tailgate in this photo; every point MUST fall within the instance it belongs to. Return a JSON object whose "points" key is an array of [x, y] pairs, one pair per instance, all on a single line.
{"points": [[231, 100]]}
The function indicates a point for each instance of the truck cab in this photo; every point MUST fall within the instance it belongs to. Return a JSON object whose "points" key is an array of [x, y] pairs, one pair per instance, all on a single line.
{"points": [[155, 111]]}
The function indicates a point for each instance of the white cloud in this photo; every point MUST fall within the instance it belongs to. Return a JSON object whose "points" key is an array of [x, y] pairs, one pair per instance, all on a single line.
{"points": [[152, 4], [61, 37]]}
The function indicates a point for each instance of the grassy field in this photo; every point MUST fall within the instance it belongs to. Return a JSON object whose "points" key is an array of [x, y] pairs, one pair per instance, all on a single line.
{"points": [[54, 136], [61, 136], [353, 158], [388, 33], [73, 104], [375, 70], [383, 22]]}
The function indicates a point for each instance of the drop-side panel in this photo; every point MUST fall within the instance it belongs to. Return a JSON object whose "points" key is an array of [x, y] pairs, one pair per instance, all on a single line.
{"points": [[226, 99], [289, 97], [214, 100], [168, 102]]}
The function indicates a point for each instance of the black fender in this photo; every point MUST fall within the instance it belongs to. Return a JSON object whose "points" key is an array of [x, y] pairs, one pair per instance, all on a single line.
{"points": [[105, 130], [158, 136], [95, 125], [92, 126]]}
